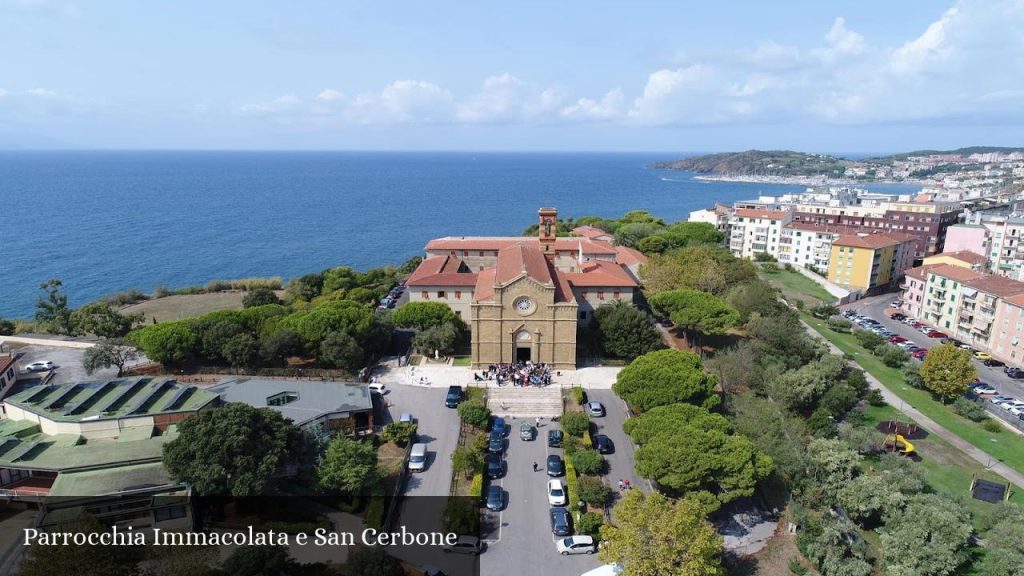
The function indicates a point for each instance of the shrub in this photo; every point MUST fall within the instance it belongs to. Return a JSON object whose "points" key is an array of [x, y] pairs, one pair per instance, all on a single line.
{"points": [[799, 304], [892, 356], [593, 491], [841, 325], [789, 267], [466, 460], [476, 486], [260, 297], [590, 524], [572, 445], [992, 426], [572, 486], [479, 443], [579, 395], [575, 423], [770, 268], [474, 413], [588, 461], [874, 397], [400, 433], [970, 410], [824, 311], [868, 339], [587, 441], [125, 298], [375, 509]]}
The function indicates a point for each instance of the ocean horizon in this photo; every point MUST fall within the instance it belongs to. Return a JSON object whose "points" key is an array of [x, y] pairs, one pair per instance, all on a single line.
{"points": [[108, 221]]}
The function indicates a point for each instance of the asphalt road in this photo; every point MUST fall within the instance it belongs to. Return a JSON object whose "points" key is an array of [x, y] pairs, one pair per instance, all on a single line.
{"points": [[876, 307], [68, 361], [620, 462], [438, 428]]}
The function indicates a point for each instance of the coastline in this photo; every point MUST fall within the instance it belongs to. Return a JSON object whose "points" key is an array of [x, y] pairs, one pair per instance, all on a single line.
{"points": [[799, 180]]}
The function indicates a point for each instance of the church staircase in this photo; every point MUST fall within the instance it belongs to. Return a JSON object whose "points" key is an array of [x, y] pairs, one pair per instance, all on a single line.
{"points": [[525, 402]]}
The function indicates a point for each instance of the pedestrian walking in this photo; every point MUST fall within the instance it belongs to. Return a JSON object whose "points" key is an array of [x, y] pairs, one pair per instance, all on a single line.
{"points": [[627, 485], [622, 485], [534, 466], [538, 421]]}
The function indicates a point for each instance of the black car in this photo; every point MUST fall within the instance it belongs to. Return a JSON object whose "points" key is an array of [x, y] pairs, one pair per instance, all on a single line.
{"points": [[555, 438], [993, 362], [1015, 373], [495, 467], [495, 443], [495, 498], [556, 467], [561, 522], [898, 317], [454, 397], [603, 444]]}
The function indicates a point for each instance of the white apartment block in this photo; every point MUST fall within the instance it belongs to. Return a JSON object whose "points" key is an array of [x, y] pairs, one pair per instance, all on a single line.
{"points": [[753, 231]]}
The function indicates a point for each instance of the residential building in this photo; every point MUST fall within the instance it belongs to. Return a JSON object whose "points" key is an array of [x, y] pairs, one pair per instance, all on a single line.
{"points": [[525, 297], [963, 259], [756, 231], [810, 245], [942, 295], [1007, 341], [970, 237], [1005, 250], [718, 216], [980, 299], [8, 373], [870, 263], [913, 287], [334, 406]]}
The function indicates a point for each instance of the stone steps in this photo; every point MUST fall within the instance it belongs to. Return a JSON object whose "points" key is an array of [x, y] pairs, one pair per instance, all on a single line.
{"points": [[526, 402]]}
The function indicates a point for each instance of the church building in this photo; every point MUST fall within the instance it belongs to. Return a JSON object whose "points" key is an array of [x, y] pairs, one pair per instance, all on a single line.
{"points": [[524, 297]]}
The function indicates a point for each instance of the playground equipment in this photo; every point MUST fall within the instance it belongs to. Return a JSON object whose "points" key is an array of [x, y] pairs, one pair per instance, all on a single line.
{"points": [[899, 444]]}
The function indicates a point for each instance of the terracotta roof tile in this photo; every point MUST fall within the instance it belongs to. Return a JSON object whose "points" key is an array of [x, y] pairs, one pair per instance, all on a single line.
{"points": [[629, 256], [441, 271], [758, 213], [958, 273], [964, 256], [5, 363], [921, 271], [493, 243], [590, 232], [996, 285], [484, 290], [600, 273], [520, 259], [879, 240]]}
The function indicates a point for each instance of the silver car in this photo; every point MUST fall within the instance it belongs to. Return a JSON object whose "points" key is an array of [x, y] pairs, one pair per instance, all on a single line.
{"points": [[595, 409]]}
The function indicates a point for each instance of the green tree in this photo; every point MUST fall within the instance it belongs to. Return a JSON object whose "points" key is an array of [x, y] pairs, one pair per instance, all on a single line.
{"points": [[103, 320], [754, 296], [588, 462], [867, 339], [52, 312], [655, 536], [665, 377], [423, 315], [575, 423], [593, 491], [241, 350], [214, 335], [928, 537], [349, 466], [341, 350], [441, 339], [466, 460], [867, 498], [833, 463], [666, 420], [834, 547], [306, 287], [693, 310], [800, 389], [631, 234], [260, 297], [83, 560], [6, 327], [625, 331], [169, 343], [652, 245], [233, 450], [401, 433], [474, 413], [279, 345], [108, 353], [947, 370]]}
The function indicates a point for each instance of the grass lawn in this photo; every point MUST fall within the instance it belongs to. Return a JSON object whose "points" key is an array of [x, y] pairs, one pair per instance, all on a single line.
{"points": [[795, 285], [462, 361], [185, 306], [1005, 445]]}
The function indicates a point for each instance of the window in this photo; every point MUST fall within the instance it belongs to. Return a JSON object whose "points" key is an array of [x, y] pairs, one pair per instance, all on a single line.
{"points": [[583, 314], [600, 294], [481, 253], [425, 295], [615, 295], [169, 513], [441, 294], [282, 398], [458, 294], [465, 253]]}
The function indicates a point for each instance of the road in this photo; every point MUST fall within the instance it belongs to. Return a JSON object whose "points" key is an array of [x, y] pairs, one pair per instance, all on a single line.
{"points": [[438, 428], [620, 462], [876, 308]]}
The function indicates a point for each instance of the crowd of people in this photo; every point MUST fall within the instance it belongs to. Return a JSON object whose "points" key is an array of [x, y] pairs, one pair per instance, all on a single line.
{"points": [[518, 373]]}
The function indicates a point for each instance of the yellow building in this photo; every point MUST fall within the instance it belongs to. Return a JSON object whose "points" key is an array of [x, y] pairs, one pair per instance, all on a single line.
{"points": [[963, 259], [870, 262]]}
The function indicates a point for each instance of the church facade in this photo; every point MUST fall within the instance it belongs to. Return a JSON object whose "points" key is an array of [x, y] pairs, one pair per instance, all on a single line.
{"points": [[524, 297]]}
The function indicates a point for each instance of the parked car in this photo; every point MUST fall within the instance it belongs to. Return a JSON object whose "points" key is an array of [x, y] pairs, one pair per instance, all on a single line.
{"points": [[561, 523], [495, 498], [418, 457], [406, 418], [579, 544], [1015, 373], [41, 366], [494, 466], [920, 354], [895, 304], [454, 396], [556, 493], [897, 339], [595, 409], [985, 390], [993, 362], [1000, 399], [555, 466], [527, 431], [555, 438], [603, 444], [898, 317], [495, 443], [465, 545], [498, 425], [982, 355], [937, 334]]}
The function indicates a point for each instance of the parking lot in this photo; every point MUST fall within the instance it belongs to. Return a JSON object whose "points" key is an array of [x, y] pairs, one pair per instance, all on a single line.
{"points": [[438, 428], [68, 362], [520, 535], [994, 376]]}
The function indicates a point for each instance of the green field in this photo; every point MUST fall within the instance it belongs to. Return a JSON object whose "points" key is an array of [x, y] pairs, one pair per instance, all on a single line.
{"points": [[462, 361], [795, 285], [1004, 445]]}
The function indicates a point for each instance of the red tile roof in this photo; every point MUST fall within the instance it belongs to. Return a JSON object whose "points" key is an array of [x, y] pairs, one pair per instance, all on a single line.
{"points": [[590, 232], [597, 273], [921, 271], [964, 256], [873, 241], [5, 363], [629, 256], [563, 243], [520, 259], [442, 271], [958, 273], [484, 290], [996, 285], [758, 213]]}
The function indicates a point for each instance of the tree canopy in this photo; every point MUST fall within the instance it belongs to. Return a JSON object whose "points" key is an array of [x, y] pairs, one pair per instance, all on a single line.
{"points": [[52, 311], [695, 310], [665, 377], [233, 450], [929, 537], [709, 268], [423, 315], [101, 319], [947, 370], [667, 419], [625, 331], [654, 536], [349, 466], [108, 353]]}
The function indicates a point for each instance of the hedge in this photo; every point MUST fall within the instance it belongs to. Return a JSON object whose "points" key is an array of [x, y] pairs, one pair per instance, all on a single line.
{"points": [[579, 395], [571, 486], [476, 486], [588, 442], [375, 509]]}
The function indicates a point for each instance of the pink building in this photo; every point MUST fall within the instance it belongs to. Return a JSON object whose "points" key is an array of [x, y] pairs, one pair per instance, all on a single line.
{"points": [[970, 237], [914, 282], [1007, 341]]}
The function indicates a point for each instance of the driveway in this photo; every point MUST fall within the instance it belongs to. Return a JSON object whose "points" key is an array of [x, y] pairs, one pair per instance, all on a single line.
{"points": [[438, 428], [519, 538], [876, 308], [621, 462], [68, 362]]}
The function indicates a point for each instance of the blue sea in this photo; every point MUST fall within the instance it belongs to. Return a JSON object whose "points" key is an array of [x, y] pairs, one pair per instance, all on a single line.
{"points": [[110, 221]]}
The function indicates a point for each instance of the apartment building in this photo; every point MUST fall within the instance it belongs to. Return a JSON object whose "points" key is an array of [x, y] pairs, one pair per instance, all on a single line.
{"points": [[810, 245], [963, 259], [970, 237], [870, 263], [1005, 250], [718, 216], [981, 297], [1007, 341], [756, 231]]}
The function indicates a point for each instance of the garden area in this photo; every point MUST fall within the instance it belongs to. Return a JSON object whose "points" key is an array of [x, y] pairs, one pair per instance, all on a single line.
{"points": [[584, 467]]}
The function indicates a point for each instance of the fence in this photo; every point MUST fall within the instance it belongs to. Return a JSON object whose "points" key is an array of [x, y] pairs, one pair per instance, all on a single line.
{"points": [[396, 497]]}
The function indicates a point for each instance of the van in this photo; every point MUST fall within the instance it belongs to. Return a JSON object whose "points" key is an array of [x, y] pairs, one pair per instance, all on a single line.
{"points": [[606, 570], [418, 457]]}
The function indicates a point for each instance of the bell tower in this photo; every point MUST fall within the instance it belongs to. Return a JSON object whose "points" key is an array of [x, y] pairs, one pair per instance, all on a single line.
{"points": [[548, 229]]}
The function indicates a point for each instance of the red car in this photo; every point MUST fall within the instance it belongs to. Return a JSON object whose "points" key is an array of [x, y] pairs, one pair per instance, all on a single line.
{"points": [[896, 339], [918, 325], [920, 354], [937, 334]]}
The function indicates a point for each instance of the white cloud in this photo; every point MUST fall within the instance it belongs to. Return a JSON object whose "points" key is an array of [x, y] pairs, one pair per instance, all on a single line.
{"points": [[506, 99], [842, 40], [41, 93], [927, 50], [283, 103], [329, 95], [607, 108], [402, 101]]}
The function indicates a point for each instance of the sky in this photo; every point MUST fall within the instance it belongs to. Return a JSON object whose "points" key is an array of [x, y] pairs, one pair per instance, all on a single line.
{"points": [[836, 76]]}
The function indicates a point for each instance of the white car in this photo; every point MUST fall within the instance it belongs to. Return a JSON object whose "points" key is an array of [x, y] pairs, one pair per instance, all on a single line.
{"points": [[41, 366], [556, 493], [406, 417], [579, 544], [895, 304], [1016, 409], [377, 388], [985, 390]]}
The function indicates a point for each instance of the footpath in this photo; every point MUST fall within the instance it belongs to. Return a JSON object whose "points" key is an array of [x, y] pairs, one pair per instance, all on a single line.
{"points": [[983, 458]]}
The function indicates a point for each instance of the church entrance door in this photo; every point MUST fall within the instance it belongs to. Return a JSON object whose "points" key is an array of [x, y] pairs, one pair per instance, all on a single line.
{"points": [[523, 354]]}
